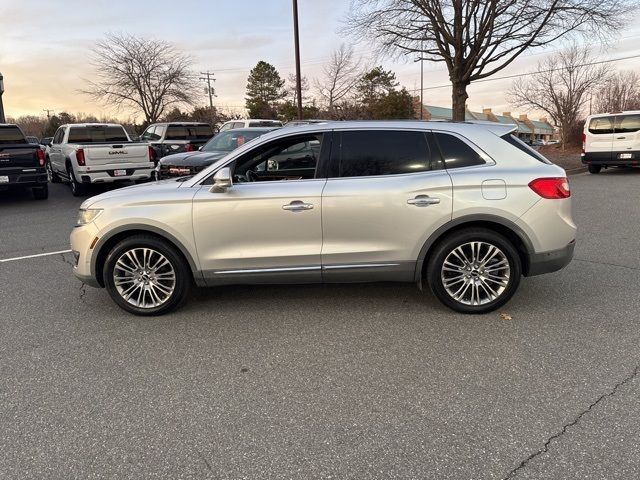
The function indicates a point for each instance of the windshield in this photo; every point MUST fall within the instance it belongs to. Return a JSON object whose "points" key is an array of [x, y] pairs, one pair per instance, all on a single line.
{"points": [[230, 140]]}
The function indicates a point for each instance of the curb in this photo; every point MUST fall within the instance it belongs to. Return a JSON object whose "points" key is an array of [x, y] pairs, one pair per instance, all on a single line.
{"points": [[576, 171]]}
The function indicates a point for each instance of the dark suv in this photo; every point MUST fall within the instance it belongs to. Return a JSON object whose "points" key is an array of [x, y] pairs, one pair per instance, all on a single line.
{"points": [[176, 137]]}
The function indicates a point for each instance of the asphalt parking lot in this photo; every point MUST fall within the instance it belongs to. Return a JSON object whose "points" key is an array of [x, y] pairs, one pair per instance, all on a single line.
{"points": [[351, 381]]}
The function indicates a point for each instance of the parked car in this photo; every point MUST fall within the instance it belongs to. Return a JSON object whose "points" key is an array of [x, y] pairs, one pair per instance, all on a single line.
{"points": [[190, 163], [46, 141], [21, 162], [249, 123], [32, 140], [295, 123], [611, 140], [176, 137], [465, 208], [89, 153]]}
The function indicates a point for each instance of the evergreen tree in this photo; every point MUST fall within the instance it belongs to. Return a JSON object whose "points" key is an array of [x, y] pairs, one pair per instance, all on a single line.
{"points": [[264, 90]]}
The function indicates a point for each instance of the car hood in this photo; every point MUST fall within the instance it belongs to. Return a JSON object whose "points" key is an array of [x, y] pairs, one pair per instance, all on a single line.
{"points": [[144, 191], [192, 159]]}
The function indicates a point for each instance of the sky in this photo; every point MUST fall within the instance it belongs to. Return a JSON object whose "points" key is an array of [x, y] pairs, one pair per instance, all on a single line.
{"points": [[45, 49]]}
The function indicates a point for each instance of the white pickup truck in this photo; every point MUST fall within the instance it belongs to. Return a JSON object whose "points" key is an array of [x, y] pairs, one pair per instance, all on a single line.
{"points": [[88, 153]]}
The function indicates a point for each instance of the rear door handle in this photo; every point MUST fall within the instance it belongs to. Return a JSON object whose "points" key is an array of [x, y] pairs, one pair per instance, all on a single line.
{"points": [[297, 206], [423, 201], [620, 138]]}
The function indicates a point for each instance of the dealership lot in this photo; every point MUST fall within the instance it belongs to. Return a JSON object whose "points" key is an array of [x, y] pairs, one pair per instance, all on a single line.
{"points": [[355, 381]]}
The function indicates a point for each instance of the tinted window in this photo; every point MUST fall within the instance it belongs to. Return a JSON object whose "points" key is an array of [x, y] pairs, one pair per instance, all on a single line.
{"points": [[189, 132], [97, 134], [627, 123], [11, 134], [378, 152], [519, 144], [456, 153], [601, 125], [238, 125], [58, 136], [265, 123]]}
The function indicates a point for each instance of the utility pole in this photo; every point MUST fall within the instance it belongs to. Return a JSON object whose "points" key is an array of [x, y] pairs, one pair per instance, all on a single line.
{"points": [[2, 119], [421, 78], [296, 38], [208, 77], [48, 110]]}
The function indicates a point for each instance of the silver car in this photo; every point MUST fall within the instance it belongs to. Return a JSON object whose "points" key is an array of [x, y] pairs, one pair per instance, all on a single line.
{"points": [[467, 209]]}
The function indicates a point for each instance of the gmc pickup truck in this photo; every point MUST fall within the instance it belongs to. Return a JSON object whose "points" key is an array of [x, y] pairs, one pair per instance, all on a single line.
{"points": [[21, 162], [176, 137], [88, 153]]}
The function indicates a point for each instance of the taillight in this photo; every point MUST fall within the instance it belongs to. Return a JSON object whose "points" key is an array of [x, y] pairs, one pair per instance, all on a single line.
{"points": [[584, 142], [152, 154], [40, 154], [552, 188], [80, 157]]}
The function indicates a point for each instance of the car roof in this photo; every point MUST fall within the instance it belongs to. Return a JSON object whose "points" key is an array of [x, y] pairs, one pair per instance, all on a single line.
{"points": [[254, 120], [95, 124], [608, 114], [180, 123], [460, 127], [252, 129]]}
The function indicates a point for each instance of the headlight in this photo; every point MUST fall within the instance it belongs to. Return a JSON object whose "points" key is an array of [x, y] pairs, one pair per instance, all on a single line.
{"points": [[87, 215]]}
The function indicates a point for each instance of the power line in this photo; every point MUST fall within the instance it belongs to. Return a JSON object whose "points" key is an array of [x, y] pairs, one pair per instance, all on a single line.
{"points": [[208, 77], [504, 77]]}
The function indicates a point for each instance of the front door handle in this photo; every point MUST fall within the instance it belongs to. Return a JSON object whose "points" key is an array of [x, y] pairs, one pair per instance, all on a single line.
{"points": [[423, 201], [297, 206], [620, 138]]}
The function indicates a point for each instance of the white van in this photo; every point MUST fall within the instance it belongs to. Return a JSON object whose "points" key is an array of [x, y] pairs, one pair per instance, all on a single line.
{"points": [[249, 123], [611, 140]]}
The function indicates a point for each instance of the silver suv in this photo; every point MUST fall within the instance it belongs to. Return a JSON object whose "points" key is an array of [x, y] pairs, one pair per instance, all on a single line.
{"points": [[467, 209]]}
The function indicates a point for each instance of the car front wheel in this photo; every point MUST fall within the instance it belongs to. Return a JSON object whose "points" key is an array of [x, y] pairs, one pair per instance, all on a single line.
{"points": [[474, 271], [145, 275], [595, 168]]}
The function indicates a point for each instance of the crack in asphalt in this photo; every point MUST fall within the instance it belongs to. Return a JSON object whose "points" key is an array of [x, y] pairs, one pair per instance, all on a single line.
{"points": [[606, 263], [65, 260], [83, 291], [566, 426], [204, 459]]}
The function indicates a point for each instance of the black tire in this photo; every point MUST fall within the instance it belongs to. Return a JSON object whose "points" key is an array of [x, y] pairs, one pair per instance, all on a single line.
{"points": [[53, 176], [462, 238], [77, 189], [181, 287], [41, 193], [595, 168]]}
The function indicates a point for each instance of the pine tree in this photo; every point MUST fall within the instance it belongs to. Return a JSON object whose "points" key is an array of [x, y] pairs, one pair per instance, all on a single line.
{"points": [[264, 90]]}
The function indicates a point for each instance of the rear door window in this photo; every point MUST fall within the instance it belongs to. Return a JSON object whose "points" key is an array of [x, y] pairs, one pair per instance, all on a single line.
{"points": [[627, 123], [11, 134], [456, 153], [376, 152], [601, 125], [176, 132]]}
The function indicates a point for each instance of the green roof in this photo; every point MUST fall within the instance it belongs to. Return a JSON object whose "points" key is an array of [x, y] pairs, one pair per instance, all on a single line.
{"points": [[542, 126]]}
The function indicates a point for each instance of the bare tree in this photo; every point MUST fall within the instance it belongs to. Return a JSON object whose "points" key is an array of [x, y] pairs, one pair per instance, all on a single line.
{"points": [[292, 92], [339, 77], [477, 38], [147, 75], [560, 86], [620, 92]]}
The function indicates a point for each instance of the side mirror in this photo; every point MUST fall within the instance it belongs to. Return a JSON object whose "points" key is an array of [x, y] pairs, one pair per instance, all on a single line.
{"points": [[199, 148], [221, 180]]}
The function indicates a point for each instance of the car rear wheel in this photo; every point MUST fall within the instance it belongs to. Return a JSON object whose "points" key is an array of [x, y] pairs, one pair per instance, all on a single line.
{"points": [[51, 175], [77, 189], [145, 275], [595, 168], [474, 271]]}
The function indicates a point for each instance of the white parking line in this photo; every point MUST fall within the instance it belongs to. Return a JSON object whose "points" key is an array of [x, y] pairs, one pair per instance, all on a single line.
{"points": [[2, 260]]}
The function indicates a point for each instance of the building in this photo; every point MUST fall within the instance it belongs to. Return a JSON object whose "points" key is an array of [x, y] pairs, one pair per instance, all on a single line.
{"points": [[527, 129]]}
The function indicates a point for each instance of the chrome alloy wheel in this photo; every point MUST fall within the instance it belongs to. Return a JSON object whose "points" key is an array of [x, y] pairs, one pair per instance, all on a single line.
{"points": [[144, 277], [475, 273]]}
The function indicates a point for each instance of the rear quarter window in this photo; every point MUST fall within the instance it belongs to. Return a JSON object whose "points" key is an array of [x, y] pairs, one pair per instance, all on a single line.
{"points": [[627, 123], [520, 145], [11, 134], [456, 153]]}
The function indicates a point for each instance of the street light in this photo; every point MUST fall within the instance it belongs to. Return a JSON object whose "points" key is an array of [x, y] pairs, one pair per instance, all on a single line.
{"points": [[2, 119]]}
